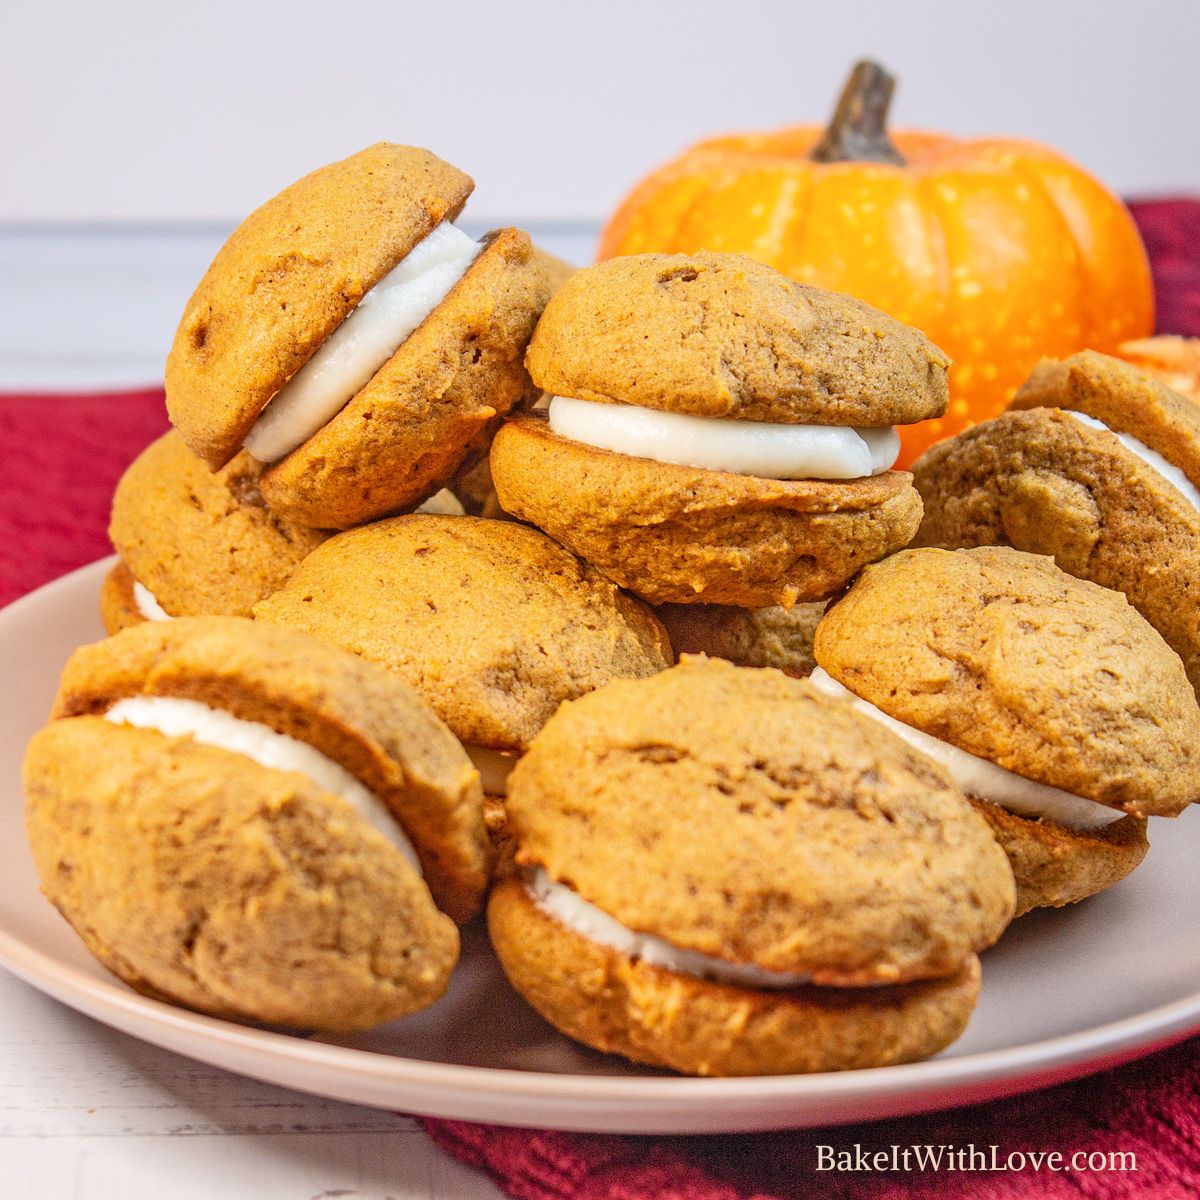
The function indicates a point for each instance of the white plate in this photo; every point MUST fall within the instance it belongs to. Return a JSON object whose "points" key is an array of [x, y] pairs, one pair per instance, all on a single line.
{"points": [[1064, 993]]}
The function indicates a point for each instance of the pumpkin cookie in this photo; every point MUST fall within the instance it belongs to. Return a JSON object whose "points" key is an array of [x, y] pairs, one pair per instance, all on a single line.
{"points": [[353, 339], [1097, 465], [243, 820], [194, 542], [750, 637], [811, 894], [1055, 706], [492, 622], [558, 270], [717, 432], [721, 335]]}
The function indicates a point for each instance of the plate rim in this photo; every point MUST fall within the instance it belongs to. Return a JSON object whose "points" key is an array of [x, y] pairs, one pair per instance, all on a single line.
{"points": [[896, 1090]]}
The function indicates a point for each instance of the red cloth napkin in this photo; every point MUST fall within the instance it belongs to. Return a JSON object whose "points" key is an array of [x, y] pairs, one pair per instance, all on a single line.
{"points": [[61, 458], [1151, 1109], [1171, 230]]}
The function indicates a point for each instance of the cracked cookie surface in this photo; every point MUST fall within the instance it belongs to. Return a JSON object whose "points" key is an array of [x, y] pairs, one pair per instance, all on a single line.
{"points": [[1042, 482], [1004, 655]]}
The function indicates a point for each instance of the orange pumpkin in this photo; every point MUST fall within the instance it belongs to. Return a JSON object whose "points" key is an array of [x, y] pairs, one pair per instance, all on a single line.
{"points": [[1002, 251]]}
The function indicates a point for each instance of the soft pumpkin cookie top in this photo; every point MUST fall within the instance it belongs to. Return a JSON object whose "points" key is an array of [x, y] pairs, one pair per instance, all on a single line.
{"points": [[1122, 396], [492, 622], [289, 275], [763, 824], [722, 335], [1003, 655], [202, 541], [359, 716]]}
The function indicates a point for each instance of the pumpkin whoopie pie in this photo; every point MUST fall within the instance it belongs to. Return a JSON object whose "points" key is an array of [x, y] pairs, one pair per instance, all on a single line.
{"points": [[1062, 714], [725, 873], [492, 622], [1096, 464], [350, 337], [718, 433], [246, 821], [194, 542], [750, 637]]}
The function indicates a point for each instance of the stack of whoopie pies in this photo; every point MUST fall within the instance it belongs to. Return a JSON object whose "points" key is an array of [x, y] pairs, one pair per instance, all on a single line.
{"points": [[337, 716], [719, 440]]}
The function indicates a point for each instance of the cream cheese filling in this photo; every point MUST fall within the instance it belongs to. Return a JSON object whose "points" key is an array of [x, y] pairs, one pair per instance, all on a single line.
{"points": [[759, 448], [570, 909], [267, 747], [1155, 461], [147, 604], [980, 778], [494, 767], [363, 342], [442, 504]]}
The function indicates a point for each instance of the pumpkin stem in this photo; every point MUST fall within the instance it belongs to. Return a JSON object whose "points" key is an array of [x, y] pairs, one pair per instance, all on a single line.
{"points": [[858, 130]]}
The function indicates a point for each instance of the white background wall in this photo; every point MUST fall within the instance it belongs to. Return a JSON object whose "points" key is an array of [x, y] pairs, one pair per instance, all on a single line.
{"points": [[162, 111]]}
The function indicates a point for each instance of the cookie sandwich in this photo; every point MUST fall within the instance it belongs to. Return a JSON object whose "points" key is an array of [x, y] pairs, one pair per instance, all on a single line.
{"points": [[716, 432], [492, 622], [1096, 464], [242, 820], [195, 542], [354, 340], [1060, 712], [808, 894]]}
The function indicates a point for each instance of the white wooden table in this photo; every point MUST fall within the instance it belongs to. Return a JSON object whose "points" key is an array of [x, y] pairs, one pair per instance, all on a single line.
{"points": [[87, 1113]]}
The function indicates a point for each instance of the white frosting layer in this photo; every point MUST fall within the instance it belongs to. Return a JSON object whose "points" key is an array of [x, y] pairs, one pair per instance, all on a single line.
{"points": [[442, 504], [147, 605], [572, 910], [980, 778], [214, 727], [363, 342], [494, 767], [715, 444], [1155, 461]]}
